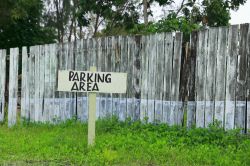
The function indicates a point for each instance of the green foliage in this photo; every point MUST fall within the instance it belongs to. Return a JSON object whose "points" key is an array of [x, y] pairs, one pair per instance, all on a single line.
{"points": [[115, 13], [122, 143], [22, 24]]}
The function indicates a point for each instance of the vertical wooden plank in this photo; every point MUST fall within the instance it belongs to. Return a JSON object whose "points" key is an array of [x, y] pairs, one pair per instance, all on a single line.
{"points": [[53, 83], [201, 78], [13, 86], [210, 75], [151, 83], [176, 113], [116, 68], [101, 67], [61, 60], [123, 68], [231, 61], [85, 67], [32, 84], [220, 75], [68, 54], [23, 83], [37, 83], [47, 91], [79, 66], [41, 82], [98, 52], [144, 79], [159, 78], [248, 83], [241, 78], [2, 83], [108, 69], [168, 51], [94, 64], [130, 108], [70, 66], [191, 105], [137, 77]]}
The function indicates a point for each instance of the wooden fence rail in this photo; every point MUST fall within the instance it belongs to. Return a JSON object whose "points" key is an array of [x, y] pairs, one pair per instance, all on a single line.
{"points": [[208, 81]]}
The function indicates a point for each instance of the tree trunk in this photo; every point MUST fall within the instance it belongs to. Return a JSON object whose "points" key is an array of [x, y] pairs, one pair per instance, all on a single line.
{"points": [[145, 11]]}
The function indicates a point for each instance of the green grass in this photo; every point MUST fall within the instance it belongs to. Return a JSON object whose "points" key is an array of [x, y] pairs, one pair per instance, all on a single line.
{"points": [[121, 143]]}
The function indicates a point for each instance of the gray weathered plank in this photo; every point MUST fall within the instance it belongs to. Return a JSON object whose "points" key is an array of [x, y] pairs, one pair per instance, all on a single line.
{"points": [[159, 77], [130, 108], [115, 68], [241, 78], [47, 90], [137, 77], [13, 86], [123, 68], [101, 67], [79, 66], [191, 105], [248, 83], [24, 83], [168, 57], [41, 82], [151, 80], [144, 79], [210, 75], [37, 82], [176, 114], [201, 77], [54, 105], [2, 83], [231, 61], [220, 75]]}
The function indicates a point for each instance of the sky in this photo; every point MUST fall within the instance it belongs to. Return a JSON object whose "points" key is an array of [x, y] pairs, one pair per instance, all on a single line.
{"points": [[237, 17], [242, 15]]}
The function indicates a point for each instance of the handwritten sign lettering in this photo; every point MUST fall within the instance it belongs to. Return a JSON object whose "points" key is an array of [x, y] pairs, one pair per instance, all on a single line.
{"points": [[86, 81]]}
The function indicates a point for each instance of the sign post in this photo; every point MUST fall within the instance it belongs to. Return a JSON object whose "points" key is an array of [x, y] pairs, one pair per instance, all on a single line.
{"points": [[92, 115], [92, 82]]}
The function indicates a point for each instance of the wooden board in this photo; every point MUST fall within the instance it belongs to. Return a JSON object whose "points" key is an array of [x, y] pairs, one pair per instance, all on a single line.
{"points": [[41, 82], [101, 67], [241, 78], [130, 101], [210, 75], [144, 79], [123, 68], [176, 114], [24, 83], [2, 83], [168, 51], [151, 80], [231, 61], [159, 72], [248, 83], [115, 68], [78, 66], [201, 78], [191, 105], [220, 75], [137, 77], [13, 86]]}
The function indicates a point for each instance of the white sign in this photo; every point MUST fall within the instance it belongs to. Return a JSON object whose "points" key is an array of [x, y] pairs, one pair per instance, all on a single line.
{"points": [[87, 81]]}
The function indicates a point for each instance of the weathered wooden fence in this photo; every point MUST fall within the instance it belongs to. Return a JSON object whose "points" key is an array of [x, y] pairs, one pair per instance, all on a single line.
{"points": [[209, 80], [152, 63], [222, 77], [2, 82]]}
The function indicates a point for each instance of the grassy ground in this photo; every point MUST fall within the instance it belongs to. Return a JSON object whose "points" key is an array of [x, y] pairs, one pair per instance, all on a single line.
{"points": [[121, 144]]}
